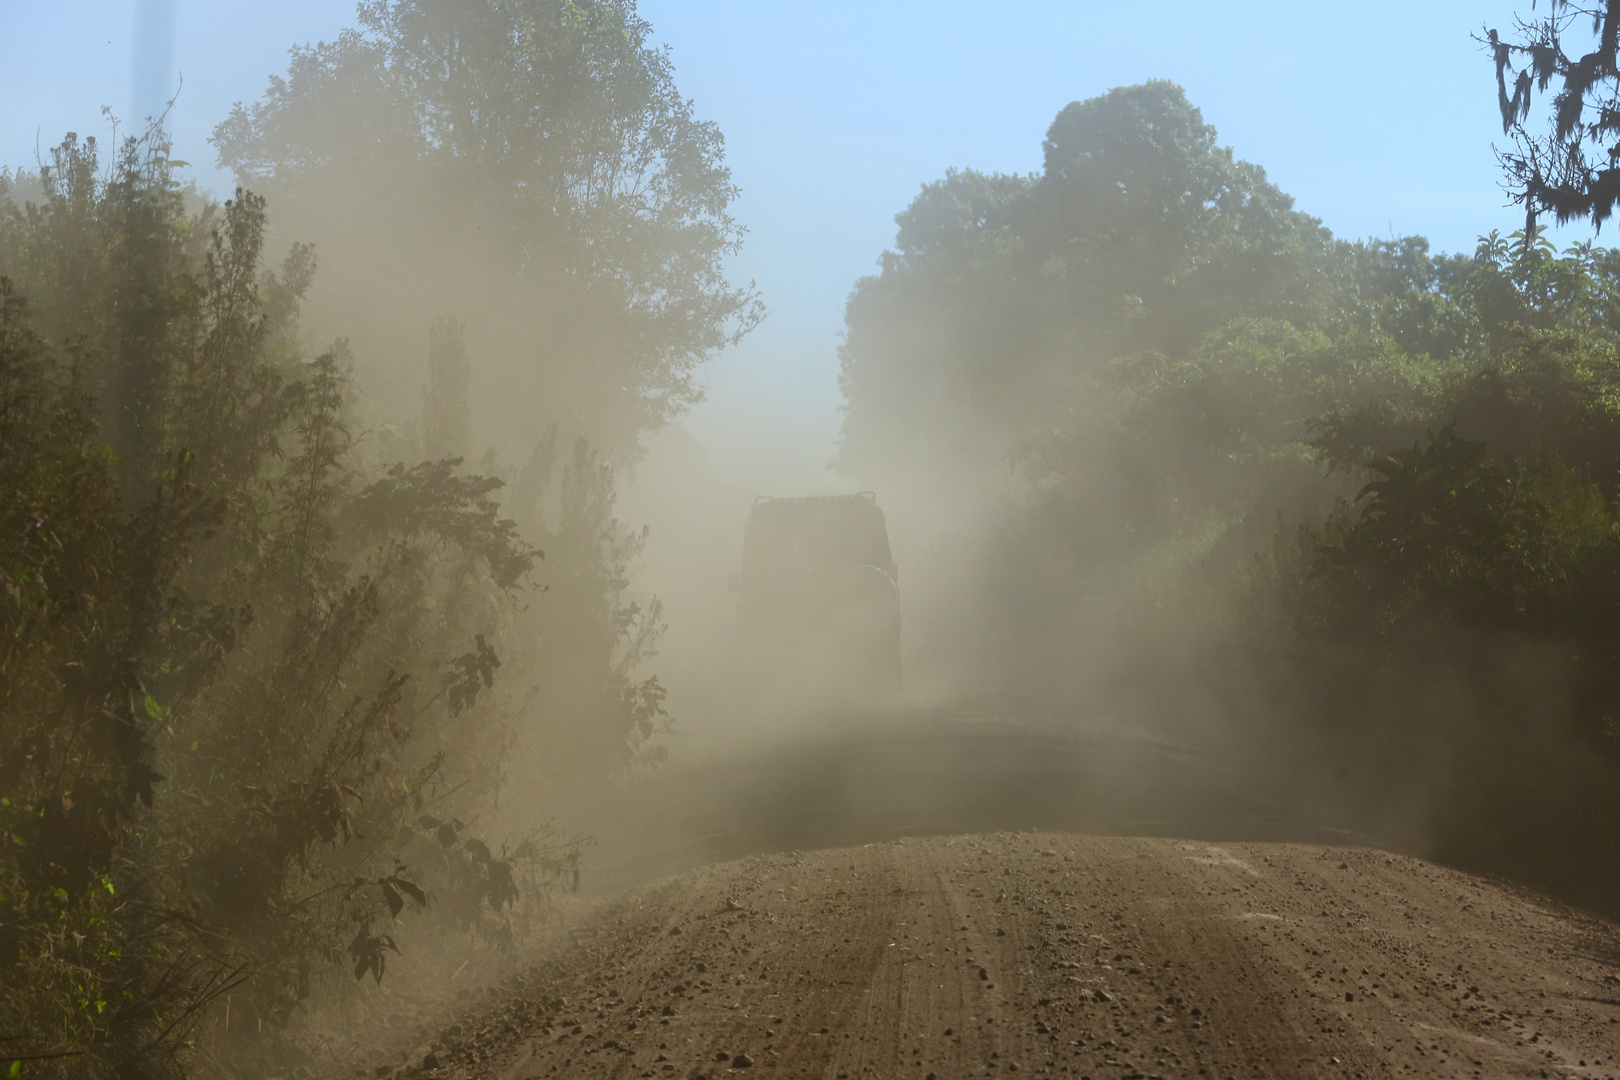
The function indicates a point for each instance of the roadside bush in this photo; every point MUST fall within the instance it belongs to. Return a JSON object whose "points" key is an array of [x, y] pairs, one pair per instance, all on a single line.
{"points": [[247, 720]]}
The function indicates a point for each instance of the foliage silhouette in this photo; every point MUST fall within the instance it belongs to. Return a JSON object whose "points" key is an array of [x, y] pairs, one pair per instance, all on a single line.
{"points": [[1569, 170], [1268, 488], [246, 686]]}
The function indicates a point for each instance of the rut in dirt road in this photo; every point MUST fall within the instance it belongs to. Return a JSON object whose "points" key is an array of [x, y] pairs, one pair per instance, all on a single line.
{"points": [[1064, 955]]}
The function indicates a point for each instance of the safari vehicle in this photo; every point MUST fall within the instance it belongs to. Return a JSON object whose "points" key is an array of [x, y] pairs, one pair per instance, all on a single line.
{"points": [[819, 610]]}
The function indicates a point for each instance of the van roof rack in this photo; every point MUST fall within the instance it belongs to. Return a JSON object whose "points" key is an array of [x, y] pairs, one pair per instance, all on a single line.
{"points": [[869, 496]]}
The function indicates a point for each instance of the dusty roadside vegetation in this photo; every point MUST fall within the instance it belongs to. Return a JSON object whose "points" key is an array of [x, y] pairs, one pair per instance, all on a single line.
{"points": [[271, 645], [322, 652]]}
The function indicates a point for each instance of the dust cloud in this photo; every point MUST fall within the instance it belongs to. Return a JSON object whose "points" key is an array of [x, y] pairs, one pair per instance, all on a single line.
{"points": [[1153, 473], [1155, 509], [1107, 472]]}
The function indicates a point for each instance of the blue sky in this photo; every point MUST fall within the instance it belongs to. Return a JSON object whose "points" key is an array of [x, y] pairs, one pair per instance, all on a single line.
{"points": [[1377, 116]]}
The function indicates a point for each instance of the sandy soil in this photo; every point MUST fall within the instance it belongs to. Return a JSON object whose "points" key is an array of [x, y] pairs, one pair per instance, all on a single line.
{"points": [[1060, 954]]}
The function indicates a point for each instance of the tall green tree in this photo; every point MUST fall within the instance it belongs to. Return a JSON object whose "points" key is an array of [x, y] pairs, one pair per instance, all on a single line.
{"points": [[245, 683], [528, 164], [1005, 298]]}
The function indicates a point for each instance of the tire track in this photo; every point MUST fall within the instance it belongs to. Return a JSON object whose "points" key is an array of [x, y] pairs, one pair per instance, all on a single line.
{"points": [[1065, 956]]}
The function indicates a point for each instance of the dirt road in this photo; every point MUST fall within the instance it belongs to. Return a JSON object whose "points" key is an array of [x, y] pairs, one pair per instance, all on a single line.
{"points": [[1061, 954]]}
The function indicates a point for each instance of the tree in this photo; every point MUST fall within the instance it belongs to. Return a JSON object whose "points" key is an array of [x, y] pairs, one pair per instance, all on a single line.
{"points": [[527, 164], [1571, 169], [1006, 297], [1140, 201], [239, 700]]}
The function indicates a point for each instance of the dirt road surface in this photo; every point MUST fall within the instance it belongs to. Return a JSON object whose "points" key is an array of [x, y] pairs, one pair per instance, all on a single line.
{"points": [[1062, 955]]}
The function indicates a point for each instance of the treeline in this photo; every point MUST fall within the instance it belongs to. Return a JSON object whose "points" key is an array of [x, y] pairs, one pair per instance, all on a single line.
{"points": [[1352, 507], [288, 687]]}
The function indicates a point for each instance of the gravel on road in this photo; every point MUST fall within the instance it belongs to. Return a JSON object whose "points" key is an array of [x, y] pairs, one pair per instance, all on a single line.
{"points": [[1061, 955]]}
